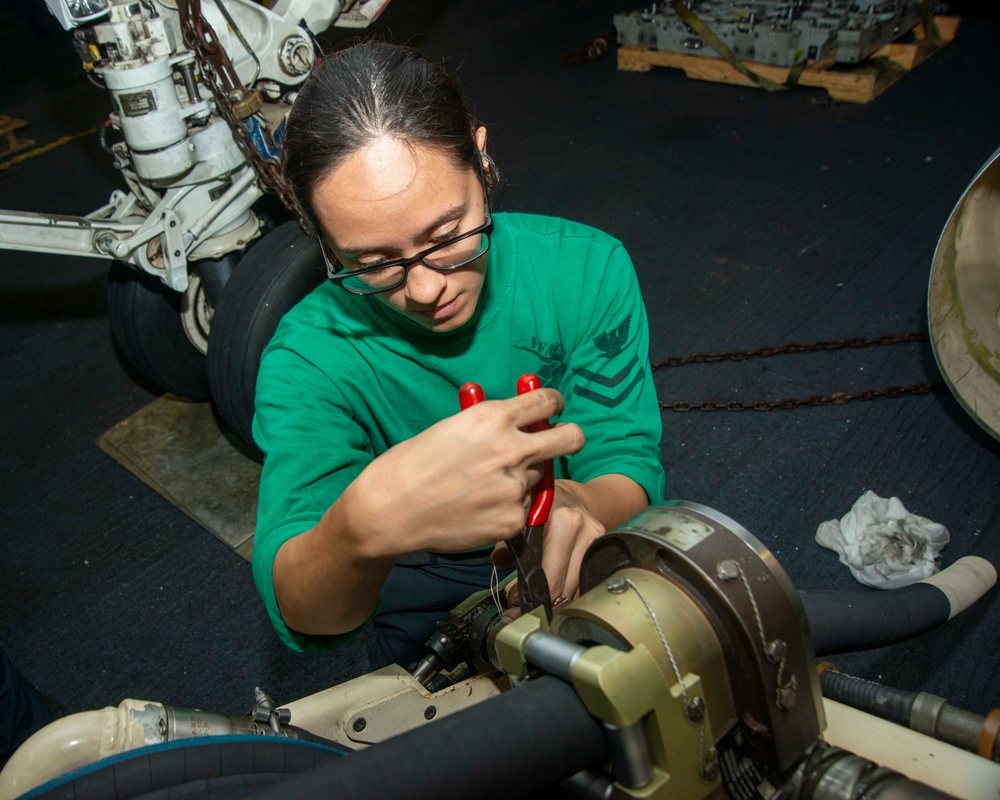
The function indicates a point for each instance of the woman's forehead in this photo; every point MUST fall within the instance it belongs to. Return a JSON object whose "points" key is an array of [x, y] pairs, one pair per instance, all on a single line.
{"points": [[388, 184], [382, 169]]}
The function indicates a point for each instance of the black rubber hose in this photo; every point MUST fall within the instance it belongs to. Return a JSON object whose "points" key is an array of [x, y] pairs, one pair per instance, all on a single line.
{"points": [[829, 773], [512, 745], [216, 766], [848, 621], [882, 701]]}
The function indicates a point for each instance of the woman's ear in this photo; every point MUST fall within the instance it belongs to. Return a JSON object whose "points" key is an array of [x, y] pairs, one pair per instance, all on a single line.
{"points": [[488, 167]]}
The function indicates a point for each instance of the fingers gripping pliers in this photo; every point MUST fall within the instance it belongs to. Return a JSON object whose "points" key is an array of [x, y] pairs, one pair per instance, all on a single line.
{"points": [[526, 547]]}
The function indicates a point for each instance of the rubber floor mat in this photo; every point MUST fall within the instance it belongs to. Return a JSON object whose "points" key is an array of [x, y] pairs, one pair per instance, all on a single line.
{"points": [[179, 448]]}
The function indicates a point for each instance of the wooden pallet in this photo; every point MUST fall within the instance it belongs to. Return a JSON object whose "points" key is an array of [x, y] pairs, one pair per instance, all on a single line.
{"points": [[860, 84], [10, 142]]}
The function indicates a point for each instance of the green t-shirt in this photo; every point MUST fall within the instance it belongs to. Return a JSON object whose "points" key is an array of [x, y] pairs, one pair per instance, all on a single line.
{"points": [[345, 378]]}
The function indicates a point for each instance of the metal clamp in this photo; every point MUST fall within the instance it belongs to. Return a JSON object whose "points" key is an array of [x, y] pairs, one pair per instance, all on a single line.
{"points": [[630, 694]]}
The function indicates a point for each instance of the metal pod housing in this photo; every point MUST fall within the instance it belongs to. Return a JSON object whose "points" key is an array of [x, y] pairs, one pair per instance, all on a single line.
{"points": [[706, 598], [963, 299]]}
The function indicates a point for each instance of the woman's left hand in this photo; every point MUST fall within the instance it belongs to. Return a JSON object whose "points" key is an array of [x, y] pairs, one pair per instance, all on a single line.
{"points": [[578, 516]]}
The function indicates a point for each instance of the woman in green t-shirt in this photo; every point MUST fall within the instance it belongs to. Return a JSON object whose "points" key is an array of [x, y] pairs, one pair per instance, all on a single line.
{"points": [[366, 459]]}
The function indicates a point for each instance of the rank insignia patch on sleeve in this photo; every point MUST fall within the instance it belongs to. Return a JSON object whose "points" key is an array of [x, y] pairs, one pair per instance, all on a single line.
{"points": [[611, 389], [611, 343]]}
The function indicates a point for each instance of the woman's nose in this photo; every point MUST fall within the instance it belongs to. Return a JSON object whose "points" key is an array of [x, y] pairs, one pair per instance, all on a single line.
{"points": [[424, 285]]}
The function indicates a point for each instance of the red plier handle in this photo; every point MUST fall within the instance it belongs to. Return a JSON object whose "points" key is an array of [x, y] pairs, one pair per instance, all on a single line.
{"points": [[541, 495], [526, 547], [544, 490], [469, 394]]}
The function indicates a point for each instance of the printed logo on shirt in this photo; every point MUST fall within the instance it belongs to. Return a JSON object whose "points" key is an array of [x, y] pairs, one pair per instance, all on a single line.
{"points": [[610, 390], [552, 356], [613, 342]]}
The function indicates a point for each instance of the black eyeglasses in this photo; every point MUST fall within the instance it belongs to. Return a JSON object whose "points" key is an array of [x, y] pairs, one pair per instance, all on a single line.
{"points": [[444, 257]]}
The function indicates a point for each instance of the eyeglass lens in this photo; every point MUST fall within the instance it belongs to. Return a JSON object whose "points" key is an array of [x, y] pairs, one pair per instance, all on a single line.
{"points": [[452, 256]]}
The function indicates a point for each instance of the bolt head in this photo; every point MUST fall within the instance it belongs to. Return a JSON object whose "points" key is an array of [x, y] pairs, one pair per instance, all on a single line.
{"points": [[617, 585], [360, 724], [695, 709], [776, 650], [430, 712], [786, 697], [727, 570]]}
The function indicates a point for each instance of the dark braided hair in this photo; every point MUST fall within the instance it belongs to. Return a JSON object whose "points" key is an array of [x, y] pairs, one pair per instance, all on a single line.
{"points": [[369, 90]]}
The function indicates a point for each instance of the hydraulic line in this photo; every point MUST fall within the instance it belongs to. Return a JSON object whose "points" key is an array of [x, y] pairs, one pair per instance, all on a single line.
{"points": [[214, 766], [520, 743], [848, 621], [921, 711], [512, 745], [829, 773]]}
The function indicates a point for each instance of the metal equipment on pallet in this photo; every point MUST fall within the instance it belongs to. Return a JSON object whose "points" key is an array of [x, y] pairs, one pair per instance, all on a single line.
{"points": [[771, 31]]}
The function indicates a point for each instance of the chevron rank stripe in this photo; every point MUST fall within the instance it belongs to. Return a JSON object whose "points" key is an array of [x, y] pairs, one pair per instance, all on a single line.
{"points": [[611, 401]]}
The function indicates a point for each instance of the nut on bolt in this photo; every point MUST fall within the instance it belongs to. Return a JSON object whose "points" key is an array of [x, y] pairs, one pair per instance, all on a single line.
{"points": [[246, 105], [727, 570], [709, 771], [295, 56], [776, 650], [694, 709], [786, 696]]}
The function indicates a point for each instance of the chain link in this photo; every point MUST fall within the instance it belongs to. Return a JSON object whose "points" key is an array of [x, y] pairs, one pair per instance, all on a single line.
{"points": [[220, 76], [198, 35], [789, 403], [792, 347]]}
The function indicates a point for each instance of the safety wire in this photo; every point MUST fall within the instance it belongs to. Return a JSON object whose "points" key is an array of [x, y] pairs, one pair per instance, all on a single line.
{"points": [[495, 589], [673, 664], [760, 629]]}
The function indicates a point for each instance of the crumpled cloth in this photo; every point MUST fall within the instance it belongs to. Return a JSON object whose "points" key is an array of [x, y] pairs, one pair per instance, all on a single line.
{"points": [[883, 544]]}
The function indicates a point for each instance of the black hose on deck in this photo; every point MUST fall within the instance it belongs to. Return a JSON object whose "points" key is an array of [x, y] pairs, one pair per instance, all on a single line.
{"points": [[220, 767], [848, 621], [512, 745], [518, 744]]}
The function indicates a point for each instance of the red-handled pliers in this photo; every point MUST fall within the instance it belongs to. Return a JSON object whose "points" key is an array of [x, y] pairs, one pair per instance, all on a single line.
{"points": [[526, 547]]}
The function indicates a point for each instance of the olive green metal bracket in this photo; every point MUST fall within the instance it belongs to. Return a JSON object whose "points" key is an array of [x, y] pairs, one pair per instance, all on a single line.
{"points": [[628, 692]]}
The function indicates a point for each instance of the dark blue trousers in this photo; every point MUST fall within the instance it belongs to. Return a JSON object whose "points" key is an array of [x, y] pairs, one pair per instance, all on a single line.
{"points": [[420, 591]]}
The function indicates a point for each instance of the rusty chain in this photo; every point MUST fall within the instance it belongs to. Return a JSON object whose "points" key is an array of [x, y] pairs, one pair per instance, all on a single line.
{"points": [[792, 347], [789, 403], [220, 76]]}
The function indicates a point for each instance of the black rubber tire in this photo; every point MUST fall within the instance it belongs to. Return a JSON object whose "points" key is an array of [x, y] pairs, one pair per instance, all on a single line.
{"points": [[281, 269], [145, 320]]}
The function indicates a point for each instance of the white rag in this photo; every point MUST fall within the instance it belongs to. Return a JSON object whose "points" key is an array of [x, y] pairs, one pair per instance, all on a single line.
{"points": [[884, 545]]}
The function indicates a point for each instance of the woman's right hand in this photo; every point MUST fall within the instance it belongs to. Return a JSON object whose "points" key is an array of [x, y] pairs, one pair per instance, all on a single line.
{"points": [[462, 483]]}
